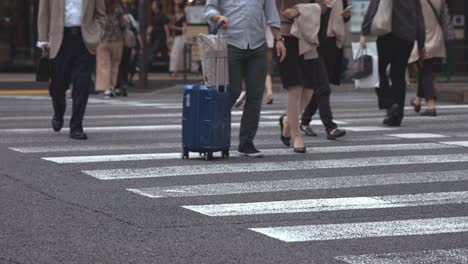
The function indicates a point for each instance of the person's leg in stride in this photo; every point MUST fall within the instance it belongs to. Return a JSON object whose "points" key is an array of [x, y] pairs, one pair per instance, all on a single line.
{"points": [[385, 99], [427, 85], [322, 93], [268, 81], [255, 72], [297, 99], [306, 117], [81, 86], [399, 63]]}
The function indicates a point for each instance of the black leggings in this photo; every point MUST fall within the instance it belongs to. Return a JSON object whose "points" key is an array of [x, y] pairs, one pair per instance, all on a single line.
{"points": [[426, 80]]}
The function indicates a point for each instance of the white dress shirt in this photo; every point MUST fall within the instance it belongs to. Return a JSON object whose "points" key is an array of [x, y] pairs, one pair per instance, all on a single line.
{"points": [[73, 9], [73, 13]]}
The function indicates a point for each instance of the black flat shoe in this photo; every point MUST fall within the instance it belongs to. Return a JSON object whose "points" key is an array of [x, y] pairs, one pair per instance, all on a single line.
{"points": [[57, 124], [429, 112], [392, 121], [417, 107], [78, 135], [337, 134], [300, 150], [307, 131], [286, 140]]}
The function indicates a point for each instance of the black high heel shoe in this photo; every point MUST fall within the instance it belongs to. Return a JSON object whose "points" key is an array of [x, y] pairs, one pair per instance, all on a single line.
{"points": [[286, 140], [417, 107]]}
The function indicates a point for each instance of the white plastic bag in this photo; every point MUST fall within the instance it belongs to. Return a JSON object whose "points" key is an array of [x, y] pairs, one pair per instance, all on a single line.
{"points": [[213, 50], [373, 80]]}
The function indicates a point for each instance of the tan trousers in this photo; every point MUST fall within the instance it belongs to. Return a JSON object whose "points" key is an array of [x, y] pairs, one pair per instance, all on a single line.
{"points": [[108, 56]]}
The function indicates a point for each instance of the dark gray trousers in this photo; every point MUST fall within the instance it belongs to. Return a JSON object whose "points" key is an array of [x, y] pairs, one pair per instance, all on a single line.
{"points": [[249, 65], [426, 80]]}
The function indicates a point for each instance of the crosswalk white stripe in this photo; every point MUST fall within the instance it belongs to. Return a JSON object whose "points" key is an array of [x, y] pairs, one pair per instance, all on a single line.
{"points": [[276, 152], [369, 128], [113, 147], [456, 143], [301, 184], [416, 135], [330, 204], [124, 128], [175, 171], [366, 230], [452, 256]]}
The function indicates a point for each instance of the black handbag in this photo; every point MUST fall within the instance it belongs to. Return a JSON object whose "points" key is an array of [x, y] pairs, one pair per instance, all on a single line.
{"points": [[43, 71], [361, 67]]}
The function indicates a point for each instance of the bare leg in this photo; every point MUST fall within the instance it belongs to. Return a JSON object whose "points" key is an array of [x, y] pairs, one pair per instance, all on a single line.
{"points": [[293, 108]]}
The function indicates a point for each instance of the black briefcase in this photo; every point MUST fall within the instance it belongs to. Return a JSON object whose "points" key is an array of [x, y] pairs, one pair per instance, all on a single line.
{"points": [[43, 70]]}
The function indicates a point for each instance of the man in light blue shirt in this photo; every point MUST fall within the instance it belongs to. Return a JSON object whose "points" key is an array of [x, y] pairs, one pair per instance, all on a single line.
{"points": [[244, 28]]}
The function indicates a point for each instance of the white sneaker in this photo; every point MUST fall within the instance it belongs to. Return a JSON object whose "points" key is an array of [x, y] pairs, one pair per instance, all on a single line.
{"points": [[109, 93]]}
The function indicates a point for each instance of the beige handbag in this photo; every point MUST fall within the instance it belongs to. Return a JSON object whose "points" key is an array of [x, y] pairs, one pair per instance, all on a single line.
{"points": [[382, 22]]}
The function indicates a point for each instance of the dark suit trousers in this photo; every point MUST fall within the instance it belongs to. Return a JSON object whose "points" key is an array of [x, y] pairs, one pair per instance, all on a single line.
{"points": [[395, 52], [73, 65]]}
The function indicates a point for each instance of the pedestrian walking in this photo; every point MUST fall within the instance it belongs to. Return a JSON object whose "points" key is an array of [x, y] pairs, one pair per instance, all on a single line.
{"points": [[394, 49], [129, 54], [109, 51], [433, 11], [331, 49], [270, 39], [247, 56], [70, 29], [304, 74], [177, 52], [159, 33]]}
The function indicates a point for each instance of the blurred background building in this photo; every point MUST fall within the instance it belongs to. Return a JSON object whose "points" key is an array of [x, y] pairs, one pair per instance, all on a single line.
{"points": [[18, 33]]}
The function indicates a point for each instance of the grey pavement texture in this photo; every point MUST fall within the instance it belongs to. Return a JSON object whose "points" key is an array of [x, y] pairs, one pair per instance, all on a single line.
{"points": [[59, 213]]}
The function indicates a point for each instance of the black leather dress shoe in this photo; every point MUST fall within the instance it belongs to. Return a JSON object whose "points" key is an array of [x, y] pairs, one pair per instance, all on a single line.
{"points": [[78, 135], [57, 124]]}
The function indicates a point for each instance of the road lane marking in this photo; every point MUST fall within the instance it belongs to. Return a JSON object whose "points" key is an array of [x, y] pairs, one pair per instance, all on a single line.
{"points": [[416, 135], [301, 184], [456, 143], [275, 152], [207, 169], [329, 204], [122, 128], [369, 128], [329, 232], [452, 256]]}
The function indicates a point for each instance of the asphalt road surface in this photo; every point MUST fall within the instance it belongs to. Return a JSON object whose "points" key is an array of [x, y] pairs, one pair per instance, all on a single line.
{"points": [[379, 195]]}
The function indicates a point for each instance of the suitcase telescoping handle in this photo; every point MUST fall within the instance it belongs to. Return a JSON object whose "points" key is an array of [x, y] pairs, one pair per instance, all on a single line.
{"points": [[215, 31]]}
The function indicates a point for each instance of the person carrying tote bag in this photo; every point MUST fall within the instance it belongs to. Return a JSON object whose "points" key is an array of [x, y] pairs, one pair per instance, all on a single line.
{"points": [[394, 49]]}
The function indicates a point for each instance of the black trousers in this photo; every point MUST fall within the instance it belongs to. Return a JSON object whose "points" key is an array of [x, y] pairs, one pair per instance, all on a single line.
{"points": [[72, 65], [395, 52], [124, 67], [249, 65], [333, 60], [426, 80], [321, 98]]}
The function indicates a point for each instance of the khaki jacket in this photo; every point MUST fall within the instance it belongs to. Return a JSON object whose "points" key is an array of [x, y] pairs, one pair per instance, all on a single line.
{"points": [[51, 19]]}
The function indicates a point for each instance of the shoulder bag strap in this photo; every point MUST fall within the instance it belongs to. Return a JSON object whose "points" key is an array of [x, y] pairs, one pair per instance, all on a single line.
{"points": [[437, 15]]}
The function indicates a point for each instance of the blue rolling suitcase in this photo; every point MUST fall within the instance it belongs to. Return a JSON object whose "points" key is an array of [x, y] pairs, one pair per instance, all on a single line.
{"points": [[206, 118], [206, 124]]}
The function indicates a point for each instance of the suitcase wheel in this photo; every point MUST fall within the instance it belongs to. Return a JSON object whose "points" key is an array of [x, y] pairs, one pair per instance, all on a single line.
{"points": [[185, 154], [209, 156], [225, 154]]}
